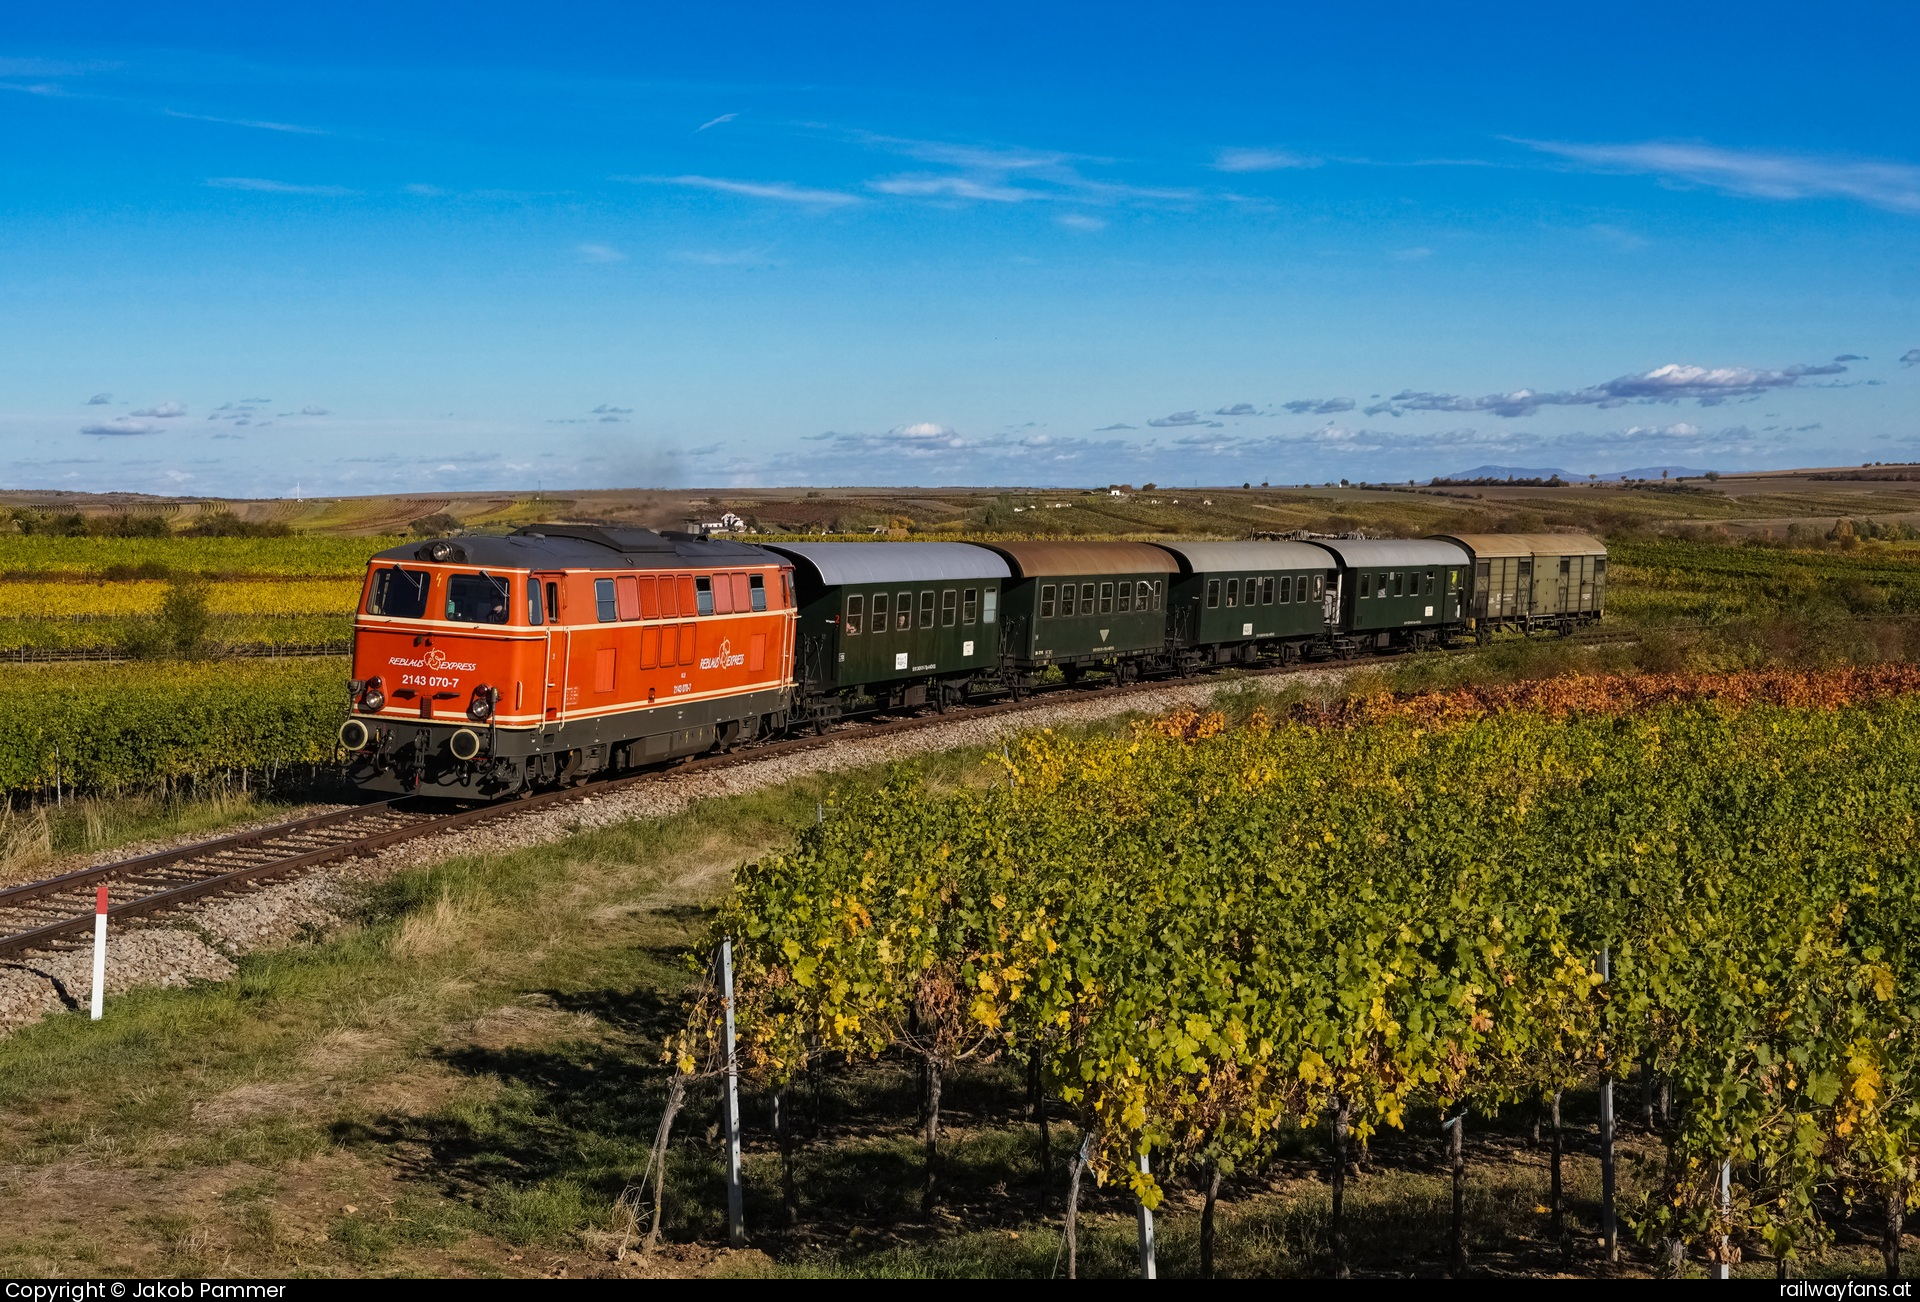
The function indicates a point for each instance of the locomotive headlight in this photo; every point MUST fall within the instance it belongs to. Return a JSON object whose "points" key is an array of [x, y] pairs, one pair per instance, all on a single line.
{"points": [[480, 709], [374, 696]]}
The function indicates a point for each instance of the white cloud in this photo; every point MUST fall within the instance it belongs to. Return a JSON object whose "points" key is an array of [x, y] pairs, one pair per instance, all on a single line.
{"points": [[164, 409], [1757, 173], [1182, 418], [1080, 221], [423, 189], [264, 186], [1412, 255], [123, 425], [1259, 160], [1674, 382], [1318, 406], [255, 123], [99, 400], [776, 190], [599, 253], [953, 187], [724, 117]]}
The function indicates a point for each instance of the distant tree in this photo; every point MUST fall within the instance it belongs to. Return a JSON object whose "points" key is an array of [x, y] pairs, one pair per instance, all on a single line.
{"points": [[223, 523]]}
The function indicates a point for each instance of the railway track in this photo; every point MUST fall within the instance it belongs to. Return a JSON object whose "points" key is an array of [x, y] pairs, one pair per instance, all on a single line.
{"points": [[51, 913]]}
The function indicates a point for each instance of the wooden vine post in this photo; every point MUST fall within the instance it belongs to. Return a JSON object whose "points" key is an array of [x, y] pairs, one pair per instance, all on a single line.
{"points": [[730, 1106], [1609, 1227]]}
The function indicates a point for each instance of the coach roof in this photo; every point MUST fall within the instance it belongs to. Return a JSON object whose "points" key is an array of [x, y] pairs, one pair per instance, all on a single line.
{"points": [[1527, 544], [572, 546], [1382, 553], [1238, 557], [1034, 559], [836, 563]]}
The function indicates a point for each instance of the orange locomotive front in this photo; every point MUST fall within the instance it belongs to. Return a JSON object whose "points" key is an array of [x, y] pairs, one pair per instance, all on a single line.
{"points": [[486, 666]]}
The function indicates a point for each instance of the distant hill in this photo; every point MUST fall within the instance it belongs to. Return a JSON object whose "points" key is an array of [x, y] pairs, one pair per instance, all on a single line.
{"points": [[1505, 472]]}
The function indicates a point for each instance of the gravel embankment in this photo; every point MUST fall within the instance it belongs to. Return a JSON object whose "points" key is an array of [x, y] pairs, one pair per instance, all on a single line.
{"points": [[202, 940]]}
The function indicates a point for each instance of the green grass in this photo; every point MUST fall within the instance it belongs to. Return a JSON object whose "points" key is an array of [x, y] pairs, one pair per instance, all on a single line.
{"points": [[41, 555]]}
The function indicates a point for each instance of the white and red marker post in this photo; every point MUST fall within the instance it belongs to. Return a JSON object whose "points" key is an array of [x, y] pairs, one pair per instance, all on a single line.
{"points": [[99, 949]]}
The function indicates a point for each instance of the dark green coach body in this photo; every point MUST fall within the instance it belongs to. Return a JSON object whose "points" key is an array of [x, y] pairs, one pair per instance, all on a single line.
{"points": [[1394, 590], [1235, 592], [1117, 610], [887, 618]]}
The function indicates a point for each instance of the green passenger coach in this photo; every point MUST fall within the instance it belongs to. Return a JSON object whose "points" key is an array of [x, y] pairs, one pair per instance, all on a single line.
{"points": [[1244, 601], [889, 625], [1397, 593], [1084, 605]]}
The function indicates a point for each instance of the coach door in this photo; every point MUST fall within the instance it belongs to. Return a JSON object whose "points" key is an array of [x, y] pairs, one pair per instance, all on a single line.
{"points": [[559, 639]]}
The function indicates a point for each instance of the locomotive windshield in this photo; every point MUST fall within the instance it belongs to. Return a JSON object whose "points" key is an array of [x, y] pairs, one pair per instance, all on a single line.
{"points": [[400, 593], [477, 598]]}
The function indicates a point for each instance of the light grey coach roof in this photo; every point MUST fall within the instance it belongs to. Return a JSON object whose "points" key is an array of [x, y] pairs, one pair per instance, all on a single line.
{"points": [[894, 562], [1376, 553], [1238, 557]]}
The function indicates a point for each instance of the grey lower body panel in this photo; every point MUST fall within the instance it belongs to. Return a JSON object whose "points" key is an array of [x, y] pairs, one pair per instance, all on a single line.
{"points": [[423, 756]]}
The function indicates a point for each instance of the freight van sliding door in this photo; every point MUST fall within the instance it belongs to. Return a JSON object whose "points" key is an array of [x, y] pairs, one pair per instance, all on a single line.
{"points": [[559, 639]]}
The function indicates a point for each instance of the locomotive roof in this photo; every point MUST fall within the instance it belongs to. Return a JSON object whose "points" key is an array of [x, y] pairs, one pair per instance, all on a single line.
{"points": [[569, 546], [1370, 553], [1203, 557], [1032, 559], [1528, 544], [836, 563]]}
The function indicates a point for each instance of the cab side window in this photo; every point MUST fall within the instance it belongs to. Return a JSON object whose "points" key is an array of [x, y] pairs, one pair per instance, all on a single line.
{"points": [[536, 613], [856, 611]]}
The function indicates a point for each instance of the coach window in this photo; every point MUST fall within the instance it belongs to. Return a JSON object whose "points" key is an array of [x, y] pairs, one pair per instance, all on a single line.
{"points": [[879, 613], [1106, 599], [1086, 599], [757, 592], [606, 608], [1156, 594], [1286, 588], [1252, 590], [1233, 593], [949, 608], [989, 605], [903, 612], [1066, 599], [1429, 583], [926, 609], [1126, 598], [970, 607], [703, 595], [1213, 594], [856, 609], [1047, 591], [400, 593], [1143, 596], [1366, 586], [535, 615]]}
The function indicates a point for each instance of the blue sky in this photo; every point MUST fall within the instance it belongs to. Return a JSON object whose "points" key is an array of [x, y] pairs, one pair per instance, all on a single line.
{"points": [[378, 248]]}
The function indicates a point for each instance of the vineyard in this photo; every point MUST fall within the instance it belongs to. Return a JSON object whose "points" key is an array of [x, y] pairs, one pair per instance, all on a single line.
{"points": [[164, 726], [1206, 939]]}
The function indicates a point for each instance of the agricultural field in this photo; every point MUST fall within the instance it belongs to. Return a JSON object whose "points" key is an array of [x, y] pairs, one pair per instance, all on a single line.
{"points": [[1391, 905]]}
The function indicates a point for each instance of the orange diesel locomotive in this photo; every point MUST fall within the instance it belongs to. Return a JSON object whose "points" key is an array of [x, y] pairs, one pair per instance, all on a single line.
{"points": [[489, 666]]}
